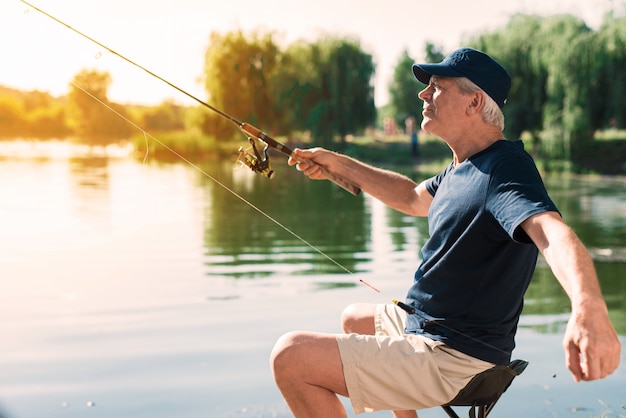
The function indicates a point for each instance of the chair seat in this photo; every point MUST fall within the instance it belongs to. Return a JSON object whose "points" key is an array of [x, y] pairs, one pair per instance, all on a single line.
{"points": [[485, 389]]}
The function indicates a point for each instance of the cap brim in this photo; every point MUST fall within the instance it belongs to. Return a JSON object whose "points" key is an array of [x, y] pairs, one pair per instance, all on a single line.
{"points": [[423, 72]]}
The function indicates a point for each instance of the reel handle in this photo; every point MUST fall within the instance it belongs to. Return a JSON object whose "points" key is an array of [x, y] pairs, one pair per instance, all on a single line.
{"points": [[262, 136]]}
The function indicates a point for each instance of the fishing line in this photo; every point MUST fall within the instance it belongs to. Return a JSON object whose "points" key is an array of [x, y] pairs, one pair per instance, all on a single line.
{"points": [[250, 130], [240, 124], [214, 179], [407, 308]]}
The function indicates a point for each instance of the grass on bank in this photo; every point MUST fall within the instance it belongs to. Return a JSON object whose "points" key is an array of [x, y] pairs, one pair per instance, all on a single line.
{"points": [[390, 151], [606, 154]]}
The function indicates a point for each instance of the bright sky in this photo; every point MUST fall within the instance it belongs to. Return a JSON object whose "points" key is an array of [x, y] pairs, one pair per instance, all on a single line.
{"points": [[169, 37]]}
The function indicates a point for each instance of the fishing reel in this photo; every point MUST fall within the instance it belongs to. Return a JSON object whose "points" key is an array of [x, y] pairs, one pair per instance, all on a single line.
{"points": [[259, 162]]}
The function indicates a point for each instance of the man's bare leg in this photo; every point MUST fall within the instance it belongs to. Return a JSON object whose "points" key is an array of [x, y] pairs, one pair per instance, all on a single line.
{"points": [[307, 370], [358, 318]]}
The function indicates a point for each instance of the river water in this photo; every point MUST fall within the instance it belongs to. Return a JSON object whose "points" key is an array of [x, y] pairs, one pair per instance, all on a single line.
{"points": [[133, 289]]}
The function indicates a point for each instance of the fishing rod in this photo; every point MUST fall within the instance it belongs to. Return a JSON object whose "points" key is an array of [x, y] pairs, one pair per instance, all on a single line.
{"points": [[258, 161], [405, 307]]}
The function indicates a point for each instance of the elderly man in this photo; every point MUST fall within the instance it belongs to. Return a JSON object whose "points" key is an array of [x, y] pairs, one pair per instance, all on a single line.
{"points": [[489, 214]]}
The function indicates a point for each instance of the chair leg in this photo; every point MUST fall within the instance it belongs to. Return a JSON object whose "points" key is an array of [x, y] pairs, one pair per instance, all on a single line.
{"points": [[450, 412], [490, 407], [476, 411], [482, 411]]}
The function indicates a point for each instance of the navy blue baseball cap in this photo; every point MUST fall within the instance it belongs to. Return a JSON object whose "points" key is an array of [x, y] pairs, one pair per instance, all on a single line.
{"points": [[477, 66]]}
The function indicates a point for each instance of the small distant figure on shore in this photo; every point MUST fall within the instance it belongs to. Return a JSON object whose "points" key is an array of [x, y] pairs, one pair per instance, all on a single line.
{"points": [[409, 126], [389, 127]]}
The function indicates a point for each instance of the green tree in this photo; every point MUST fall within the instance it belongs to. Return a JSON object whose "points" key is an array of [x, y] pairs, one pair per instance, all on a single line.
{"points": [[45, 116], [11, 117], [296, 85], [351, 88], [554, 70], [168, 116], [91, 114], [32, 114], [403, 91], [236, 77], [327, 85], [612, 81], [516, 47], [433, 53], [567, 84], [48, 121]]}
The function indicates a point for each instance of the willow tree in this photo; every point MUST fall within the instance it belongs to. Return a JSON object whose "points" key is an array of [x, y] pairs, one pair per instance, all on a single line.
{"points": [[91, 114], [12, 117], [295, 87], [237, 70], [612, 39], [403, 91], [515, 47], [553, 68], [566, 56], [327, 86]]}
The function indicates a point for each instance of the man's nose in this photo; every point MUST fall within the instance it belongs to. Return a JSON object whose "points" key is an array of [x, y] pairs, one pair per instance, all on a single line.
{"points": [[424, 93]]}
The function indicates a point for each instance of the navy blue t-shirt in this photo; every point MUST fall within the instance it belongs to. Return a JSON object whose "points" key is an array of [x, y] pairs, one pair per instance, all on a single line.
{"points": [[478, 262]]}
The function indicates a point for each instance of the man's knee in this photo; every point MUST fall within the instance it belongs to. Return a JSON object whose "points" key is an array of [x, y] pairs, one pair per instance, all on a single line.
{"points": [[282, 352], [288, 355], [359, 318]]}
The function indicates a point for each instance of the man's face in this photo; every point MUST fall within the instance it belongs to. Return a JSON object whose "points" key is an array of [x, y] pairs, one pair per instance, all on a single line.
{"points": [[443, 105]]}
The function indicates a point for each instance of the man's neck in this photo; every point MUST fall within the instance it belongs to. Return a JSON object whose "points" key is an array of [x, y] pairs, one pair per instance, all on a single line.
{"points": [[472, 144]]}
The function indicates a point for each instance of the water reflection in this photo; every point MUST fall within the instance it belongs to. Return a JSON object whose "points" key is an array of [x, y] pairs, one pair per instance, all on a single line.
{"points": [[594, 206], [291, 226], [242, 243], [274, 235]]}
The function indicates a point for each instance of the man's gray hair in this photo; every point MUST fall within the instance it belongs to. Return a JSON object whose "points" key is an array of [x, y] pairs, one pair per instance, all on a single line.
{"points": [[491, 112]]}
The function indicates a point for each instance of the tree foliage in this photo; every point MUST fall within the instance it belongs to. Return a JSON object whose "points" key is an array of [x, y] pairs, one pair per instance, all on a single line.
{"points": [[326, 88], [433, 53], [565, 79], [11, 116], [351, 90], [403, 91], [567, 82], [323, 87], [165, 117], [91, 114], [515, 48], [612, 49], [294, 85], [31, 114], [236, 78]]}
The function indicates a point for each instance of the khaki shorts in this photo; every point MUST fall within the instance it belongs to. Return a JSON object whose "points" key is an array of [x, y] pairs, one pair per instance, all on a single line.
{"points": [[396, 371]]}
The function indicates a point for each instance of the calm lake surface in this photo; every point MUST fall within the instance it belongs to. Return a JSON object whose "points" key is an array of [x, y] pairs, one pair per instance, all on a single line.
{"points": [[132, 289]]}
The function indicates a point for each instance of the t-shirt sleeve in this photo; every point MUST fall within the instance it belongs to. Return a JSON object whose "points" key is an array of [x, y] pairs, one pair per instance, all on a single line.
{"points": [[516, 193], [432, 184]]}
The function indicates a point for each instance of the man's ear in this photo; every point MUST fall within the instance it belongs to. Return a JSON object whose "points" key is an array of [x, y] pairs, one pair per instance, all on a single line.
{"points": [[476, 103]]}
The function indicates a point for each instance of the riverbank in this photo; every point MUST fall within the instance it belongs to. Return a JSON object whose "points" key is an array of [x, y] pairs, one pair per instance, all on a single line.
{"points": [[606, 154]]}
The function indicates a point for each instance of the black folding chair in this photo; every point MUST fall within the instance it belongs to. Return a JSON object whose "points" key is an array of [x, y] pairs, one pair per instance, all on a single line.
{"points": [[485, 389]]}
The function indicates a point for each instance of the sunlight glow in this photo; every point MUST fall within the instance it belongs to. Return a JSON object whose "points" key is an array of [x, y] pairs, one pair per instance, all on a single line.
{"points": [[170, 37]]}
